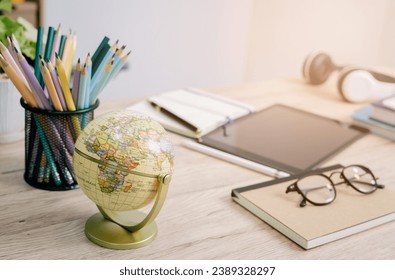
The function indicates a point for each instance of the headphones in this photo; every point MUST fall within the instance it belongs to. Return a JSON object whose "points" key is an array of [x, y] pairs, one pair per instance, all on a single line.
{"points": [[354, 84]]}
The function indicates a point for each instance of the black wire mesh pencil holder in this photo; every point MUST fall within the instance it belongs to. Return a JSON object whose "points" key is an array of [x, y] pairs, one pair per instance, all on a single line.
{"points": [[49, 146]]}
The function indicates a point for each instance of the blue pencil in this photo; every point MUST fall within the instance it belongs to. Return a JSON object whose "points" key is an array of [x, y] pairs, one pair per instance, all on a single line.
{"points": [[104, 77], [82, 89], [88, 80], [106, 58]]}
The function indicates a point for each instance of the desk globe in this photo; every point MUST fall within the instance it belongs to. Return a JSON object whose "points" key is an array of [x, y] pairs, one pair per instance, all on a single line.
{"points": [[123, 160]]}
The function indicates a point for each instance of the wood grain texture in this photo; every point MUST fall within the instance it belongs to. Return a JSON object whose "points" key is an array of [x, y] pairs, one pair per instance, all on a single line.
{"points": [[199, 220]]}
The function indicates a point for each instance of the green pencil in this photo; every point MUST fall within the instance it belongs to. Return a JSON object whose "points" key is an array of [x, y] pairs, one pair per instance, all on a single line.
{"points": [[100, 47], [39, 49], [99, 54], [48, 45], [61, 45]]}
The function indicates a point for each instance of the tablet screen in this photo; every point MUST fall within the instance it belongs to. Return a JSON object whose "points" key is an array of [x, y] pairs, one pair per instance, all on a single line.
{"points": [[283, 137]]}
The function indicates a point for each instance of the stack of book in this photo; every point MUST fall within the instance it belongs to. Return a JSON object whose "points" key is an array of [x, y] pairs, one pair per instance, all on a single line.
{"points": [[378, 117]]}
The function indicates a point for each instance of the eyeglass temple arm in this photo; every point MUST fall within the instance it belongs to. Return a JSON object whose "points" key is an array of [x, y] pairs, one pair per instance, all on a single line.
{"points": [[291, 188], [380, 186]]}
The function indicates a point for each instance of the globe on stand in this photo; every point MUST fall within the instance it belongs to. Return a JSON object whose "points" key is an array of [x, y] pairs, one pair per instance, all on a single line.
{"points": [[123, 161]]}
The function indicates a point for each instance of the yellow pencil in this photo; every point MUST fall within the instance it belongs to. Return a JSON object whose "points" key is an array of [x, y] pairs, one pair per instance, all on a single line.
{"points": [[50, 86], [69, 64], [64, 84], [19, 84], [67, 47]]}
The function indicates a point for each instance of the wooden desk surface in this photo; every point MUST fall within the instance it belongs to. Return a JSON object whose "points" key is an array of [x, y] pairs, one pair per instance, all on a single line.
{"points": [[199, 219]]}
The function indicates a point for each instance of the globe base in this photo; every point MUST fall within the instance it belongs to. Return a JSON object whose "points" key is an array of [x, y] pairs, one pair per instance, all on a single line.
{"points": [[108, 234]]}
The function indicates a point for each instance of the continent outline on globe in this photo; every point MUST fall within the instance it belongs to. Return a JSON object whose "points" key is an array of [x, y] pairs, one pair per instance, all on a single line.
{"points": [[119, 158]]}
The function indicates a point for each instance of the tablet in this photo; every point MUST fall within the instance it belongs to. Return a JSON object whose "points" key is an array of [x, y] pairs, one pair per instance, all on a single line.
{"points": [[284, 138]]}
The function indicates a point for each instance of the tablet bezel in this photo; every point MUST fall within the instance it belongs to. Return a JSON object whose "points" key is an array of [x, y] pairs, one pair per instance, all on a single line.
{"points": [[209, 141]]}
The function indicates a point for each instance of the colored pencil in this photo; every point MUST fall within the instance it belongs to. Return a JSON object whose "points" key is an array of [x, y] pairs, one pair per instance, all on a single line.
{"points": [[103, 45], [69, 63], [15, 42], [48, 152], [51, 87], [56, 43], [118, 65], [76, 81], [49, 44], [88, 64], [19, 84], [100, 68], [82, 89], [56, 83], [102, 81], [64, 84], [39, 46], [11, 60], [34, 84], [67, 46], [61, 45]]}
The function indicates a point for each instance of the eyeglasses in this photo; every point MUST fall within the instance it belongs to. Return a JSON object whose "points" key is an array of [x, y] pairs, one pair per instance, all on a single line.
{"points": [[319, 189]]}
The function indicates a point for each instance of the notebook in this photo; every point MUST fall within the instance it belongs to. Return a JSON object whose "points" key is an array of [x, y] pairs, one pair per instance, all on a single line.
{"points": [[362, 118], [192, 112], [312, 226]]}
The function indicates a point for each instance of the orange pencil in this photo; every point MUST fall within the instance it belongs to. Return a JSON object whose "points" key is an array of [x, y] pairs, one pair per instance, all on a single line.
{"points": [[50, 86]]}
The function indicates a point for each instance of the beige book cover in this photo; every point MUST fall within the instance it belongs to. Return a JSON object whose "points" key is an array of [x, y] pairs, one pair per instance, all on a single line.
{"points": [[311, 226]]}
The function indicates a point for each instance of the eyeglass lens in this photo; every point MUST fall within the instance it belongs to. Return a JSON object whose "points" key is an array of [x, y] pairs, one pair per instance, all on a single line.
{"points": [[360, 178], [317, 189]]}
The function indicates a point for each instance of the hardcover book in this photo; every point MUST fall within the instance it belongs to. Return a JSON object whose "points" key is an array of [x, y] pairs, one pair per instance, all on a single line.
{"points": [[311, 226], [363, 118], [384, 110]]}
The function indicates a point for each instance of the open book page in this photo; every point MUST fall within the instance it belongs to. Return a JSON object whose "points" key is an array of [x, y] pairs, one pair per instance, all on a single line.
{"points": [[201, 110], [165, 120], [192, 112]]}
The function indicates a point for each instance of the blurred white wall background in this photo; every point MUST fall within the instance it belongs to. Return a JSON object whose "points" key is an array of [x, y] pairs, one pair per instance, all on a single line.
{"points": [[217, 43]]}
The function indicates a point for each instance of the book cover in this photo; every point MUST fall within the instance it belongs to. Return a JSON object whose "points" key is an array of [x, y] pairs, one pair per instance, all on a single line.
{"points": [[312, 226], [384, 110], [363, 118]]}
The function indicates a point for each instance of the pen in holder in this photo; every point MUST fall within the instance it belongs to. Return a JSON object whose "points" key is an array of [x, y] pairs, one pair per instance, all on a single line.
{"points": [[49, 146]]}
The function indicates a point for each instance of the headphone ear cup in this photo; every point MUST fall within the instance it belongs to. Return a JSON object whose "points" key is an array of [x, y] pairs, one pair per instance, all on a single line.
{"points": [[359, 85], [317, 68], [340, 81]]}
